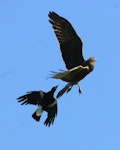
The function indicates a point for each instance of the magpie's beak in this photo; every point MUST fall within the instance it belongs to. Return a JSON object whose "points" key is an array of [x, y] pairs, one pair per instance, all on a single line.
{"points": [[56, 86]]}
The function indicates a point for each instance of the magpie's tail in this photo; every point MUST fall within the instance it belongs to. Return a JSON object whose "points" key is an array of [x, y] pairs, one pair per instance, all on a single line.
{"points": [[38, 113]]}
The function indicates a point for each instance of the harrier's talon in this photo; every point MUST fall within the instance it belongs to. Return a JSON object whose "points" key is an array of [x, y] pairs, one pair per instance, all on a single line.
{"points": [[80, 90]]}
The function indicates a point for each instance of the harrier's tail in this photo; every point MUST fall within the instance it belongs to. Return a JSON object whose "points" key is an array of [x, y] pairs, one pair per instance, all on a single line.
{"points": [[65, 89]]}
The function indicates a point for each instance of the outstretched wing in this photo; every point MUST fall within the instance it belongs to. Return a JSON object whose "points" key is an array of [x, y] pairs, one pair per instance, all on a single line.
{"points": [[70, 43], [51, 114], [33, 97]]}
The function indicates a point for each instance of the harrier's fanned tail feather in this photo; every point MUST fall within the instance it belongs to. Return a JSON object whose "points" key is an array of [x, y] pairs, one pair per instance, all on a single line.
{"points": [[61, 92]]}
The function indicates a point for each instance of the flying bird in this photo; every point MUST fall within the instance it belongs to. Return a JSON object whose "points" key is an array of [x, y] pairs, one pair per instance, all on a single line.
{"points": [[45, 101], [71, 49]]}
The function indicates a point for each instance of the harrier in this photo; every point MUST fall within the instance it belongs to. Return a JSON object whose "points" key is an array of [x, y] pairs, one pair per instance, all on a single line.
{"points": [[45, 101], [71, 49]]}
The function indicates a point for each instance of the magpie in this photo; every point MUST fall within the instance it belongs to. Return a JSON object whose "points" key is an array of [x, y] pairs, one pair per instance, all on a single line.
{"points": [[45, 102]]}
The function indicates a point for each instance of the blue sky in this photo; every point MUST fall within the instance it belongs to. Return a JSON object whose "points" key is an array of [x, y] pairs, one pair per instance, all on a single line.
{"points": [[29, 51]]}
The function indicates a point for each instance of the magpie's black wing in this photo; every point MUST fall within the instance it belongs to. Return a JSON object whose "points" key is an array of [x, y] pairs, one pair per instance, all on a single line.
{"points": [[33, 97], [70, 43], [51, 114]]}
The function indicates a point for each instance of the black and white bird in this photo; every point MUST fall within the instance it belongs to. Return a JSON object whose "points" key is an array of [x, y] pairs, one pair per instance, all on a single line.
{"points": [[71, 49], [45, 101]]}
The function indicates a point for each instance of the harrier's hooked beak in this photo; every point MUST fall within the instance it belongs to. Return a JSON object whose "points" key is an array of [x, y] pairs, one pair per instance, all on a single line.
{"points": [[95, 59]]}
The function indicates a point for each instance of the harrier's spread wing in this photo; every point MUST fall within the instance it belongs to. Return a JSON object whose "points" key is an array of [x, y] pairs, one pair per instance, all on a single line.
{"points": [[70, 43]]}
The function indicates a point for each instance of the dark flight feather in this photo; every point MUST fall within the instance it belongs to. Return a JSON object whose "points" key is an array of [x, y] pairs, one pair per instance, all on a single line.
{"points": [[70, 43]]}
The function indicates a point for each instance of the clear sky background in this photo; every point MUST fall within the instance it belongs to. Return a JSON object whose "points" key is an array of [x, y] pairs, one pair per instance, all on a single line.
{"points": [[29, 50]]}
